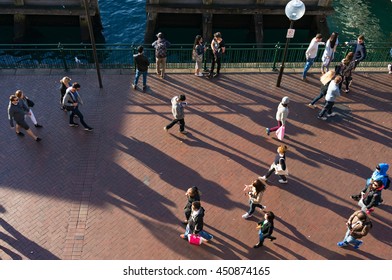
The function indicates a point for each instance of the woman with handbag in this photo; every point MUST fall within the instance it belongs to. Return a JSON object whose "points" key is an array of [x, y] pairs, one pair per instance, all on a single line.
{"points": [[196, 223], [197, 55], [255, 192], [281, 115], [65, 83], [28, 103], [278, 166]]}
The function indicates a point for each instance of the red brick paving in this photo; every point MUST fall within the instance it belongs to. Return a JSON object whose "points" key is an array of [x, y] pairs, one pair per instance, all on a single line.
{"points": [[118, 192]]}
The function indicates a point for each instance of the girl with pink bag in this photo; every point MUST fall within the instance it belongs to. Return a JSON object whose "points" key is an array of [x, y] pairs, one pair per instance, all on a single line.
{"points": [[281, 117]]}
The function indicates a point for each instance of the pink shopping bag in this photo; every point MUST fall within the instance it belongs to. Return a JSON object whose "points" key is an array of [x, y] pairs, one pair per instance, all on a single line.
{"points": [[280, 132], [194, 239]]}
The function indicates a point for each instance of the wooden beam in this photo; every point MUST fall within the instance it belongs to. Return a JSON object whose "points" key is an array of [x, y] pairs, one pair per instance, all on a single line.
{"points": [[47, 11], [244, 10]]}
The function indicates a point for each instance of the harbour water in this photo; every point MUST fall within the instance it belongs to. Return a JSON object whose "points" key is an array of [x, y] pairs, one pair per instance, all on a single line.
{"points": [[124, 22]]}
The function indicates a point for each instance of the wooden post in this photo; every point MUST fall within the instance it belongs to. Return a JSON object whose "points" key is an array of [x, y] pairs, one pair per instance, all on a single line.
{"points": [[258, 20], [207, 27], [149, 35]]}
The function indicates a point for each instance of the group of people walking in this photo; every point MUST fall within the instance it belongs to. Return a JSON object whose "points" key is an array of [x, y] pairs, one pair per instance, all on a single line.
{"points": [[20, 106], [359, 223]]}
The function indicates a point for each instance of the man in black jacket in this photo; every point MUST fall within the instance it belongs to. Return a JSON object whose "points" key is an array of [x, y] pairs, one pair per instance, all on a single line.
{"points": [[360, 49], [141, 63], [196, 223]]}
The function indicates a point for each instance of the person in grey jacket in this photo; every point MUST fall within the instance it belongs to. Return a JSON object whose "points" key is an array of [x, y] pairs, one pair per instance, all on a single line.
{"points": [[17, 112], [332, 93], [71, 103], [178, 104]]}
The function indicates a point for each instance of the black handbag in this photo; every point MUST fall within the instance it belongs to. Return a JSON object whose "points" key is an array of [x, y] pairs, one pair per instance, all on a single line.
{"points": [[29, 103]]}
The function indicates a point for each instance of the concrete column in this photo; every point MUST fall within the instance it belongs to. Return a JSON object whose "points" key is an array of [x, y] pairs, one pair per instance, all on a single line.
{"points": [[19, 28], [324, 3], [149, 35], [84, 32], [207, 2], [259, 32], [207, 27]]}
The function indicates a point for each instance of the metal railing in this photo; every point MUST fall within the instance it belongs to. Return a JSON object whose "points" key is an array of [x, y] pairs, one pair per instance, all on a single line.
{"points": [[120, 56]]}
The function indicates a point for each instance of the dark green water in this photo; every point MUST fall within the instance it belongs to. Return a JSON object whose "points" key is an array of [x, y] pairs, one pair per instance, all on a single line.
{"points": [[124, 23]]}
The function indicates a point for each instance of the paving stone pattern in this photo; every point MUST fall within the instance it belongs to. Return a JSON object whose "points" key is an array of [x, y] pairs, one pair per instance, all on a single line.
{"points": [[118, 192]]}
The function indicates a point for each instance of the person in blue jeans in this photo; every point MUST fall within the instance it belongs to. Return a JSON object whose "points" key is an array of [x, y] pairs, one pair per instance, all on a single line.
{"points": [[141, 63], [265, 227], [196, 223], [358, 226], [311, 53]]}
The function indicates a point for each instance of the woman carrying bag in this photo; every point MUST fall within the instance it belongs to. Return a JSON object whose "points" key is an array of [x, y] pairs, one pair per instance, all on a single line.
{"points": [[281, 116], [279, 166]]}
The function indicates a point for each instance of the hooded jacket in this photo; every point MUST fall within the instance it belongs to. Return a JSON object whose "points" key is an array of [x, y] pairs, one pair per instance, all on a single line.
{"points": [[177, 108], [359, 228], [196, 223], [282, 113], [372, 197], [380, 175]]}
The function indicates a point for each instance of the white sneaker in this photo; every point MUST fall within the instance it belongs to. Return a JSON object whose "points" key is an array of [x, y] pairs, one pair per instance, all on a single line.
{"points": [[246, 215], [200, 75], [283, 181], [331, 115], [184, 132], [263, 207], [311, 106], [165, 128], [262, 178]]}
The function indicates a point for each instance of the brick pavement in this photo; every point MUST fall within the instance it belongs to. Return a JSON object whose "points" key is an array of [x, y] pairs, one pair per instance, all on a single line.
{"points": [[118, 193]]}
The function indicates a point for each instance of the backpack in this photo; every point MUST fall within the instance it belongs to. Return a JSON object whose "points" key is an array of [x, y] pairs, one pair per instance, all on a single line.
{"points": [[160, 49]]}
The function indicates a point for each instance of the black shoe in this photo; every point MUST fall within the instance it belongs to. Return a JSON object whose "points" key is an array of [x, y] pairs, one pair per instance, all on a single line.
{"points": [[20, 133], [258, 245], [216, 75], [210, 76], [272, 238], [73, 124], [356, 197], [144, 88], [38, 125], [38, 139]]}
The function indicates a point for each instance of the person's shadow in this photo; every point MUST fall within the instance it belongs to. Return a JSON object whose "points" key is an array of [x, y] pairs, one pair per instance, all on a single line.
{"points": [[23, 247]]}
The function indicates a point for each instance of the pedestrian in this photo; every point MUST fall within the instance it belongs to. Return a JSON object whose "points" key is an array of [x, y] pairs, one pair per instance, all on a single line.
{"points": [[311, 53], [196, 223], [161, 45], [178, 104], [218, 49], [65, 83], [359, 49], [345, 70], [358, 226], [329, 52], [325, 81], [266, 228], [370, 196], [192, 194], [279, 166], [255, 192], [281, 115], [27, 103], [197, 54], [141, 63], [333, 92], [389, 68], [380, 173], [17, 112], [71, 101]]}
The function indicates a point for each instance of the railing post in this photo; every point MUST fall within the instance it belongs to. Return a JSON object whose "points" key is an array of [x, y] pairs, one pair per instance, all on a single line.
{"points": [[277, 47], [60, 47]]}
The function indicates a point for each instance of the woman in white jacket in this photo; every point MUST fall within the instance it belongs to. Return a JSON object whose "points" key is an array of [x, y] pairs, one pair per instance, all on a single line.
{"points": [[281, 115]]}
